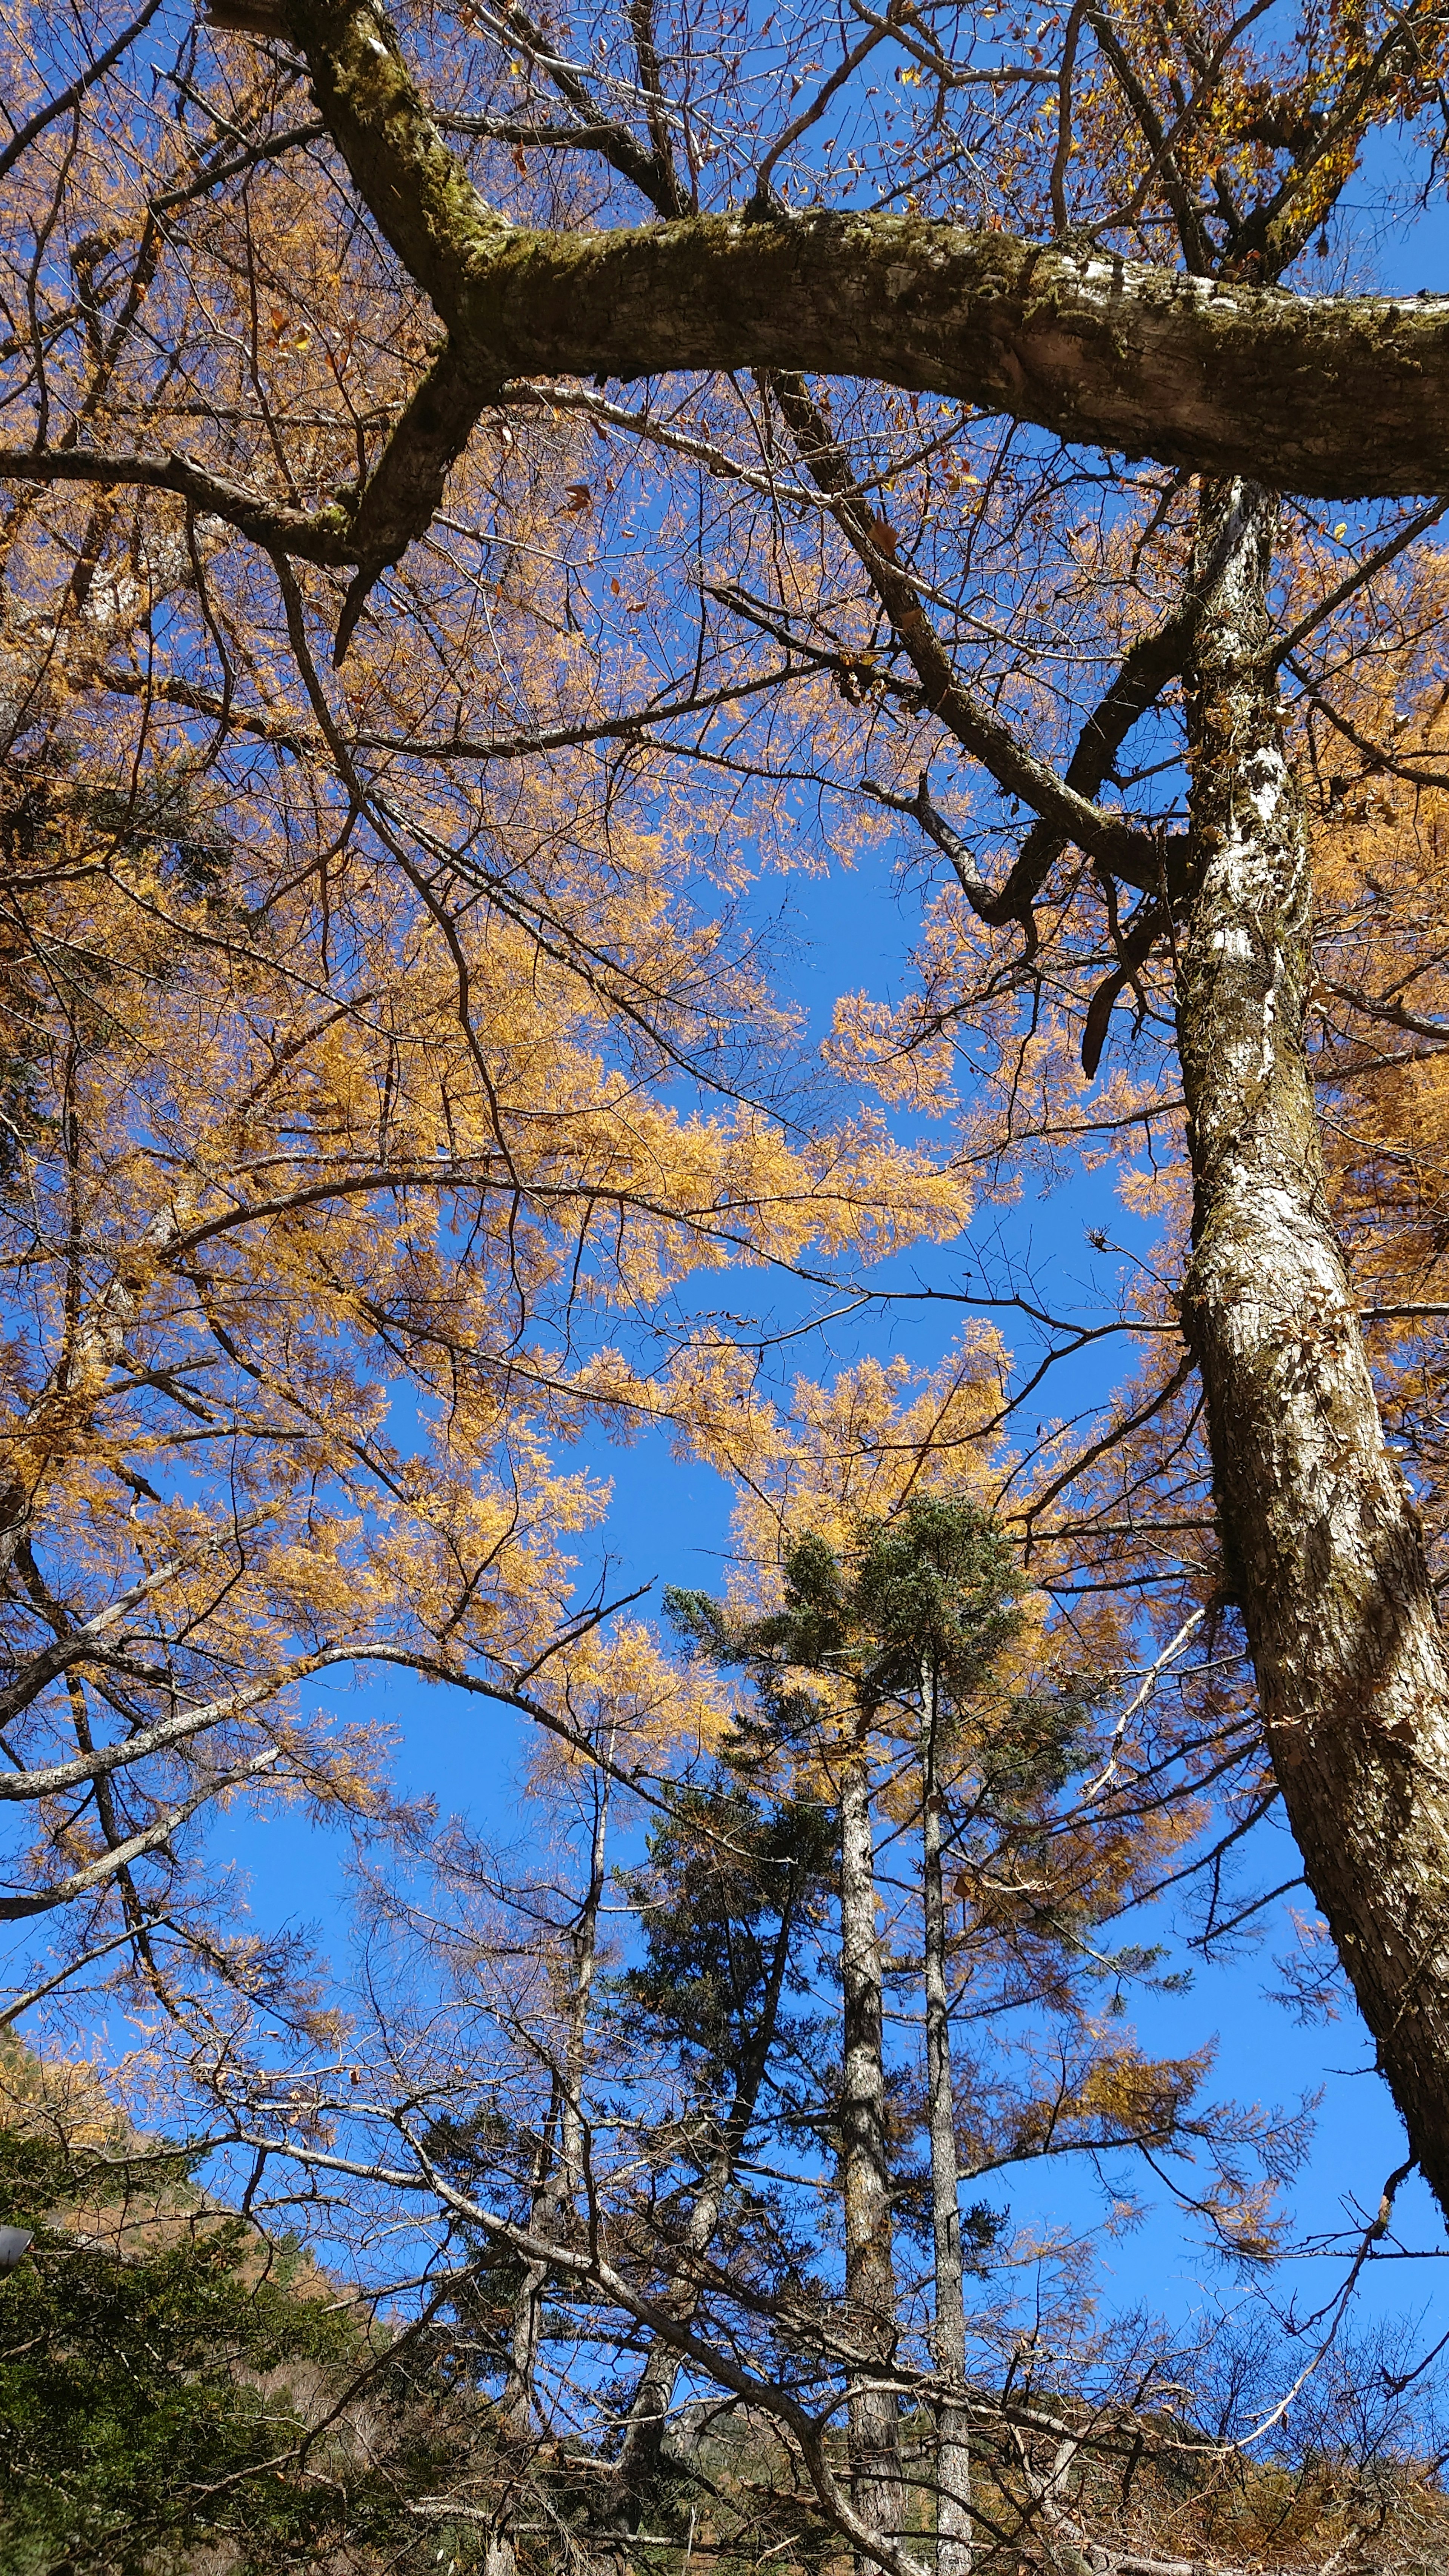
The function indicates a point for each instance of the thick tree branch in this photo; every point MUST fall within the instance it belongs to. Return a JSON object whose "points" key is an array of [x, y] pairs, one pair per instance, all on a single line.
{"points": [[167, 1734], [1327, 395], [1145, 671], [1323, 395], [1333, 396], [320, 536], [98, 1873], [992, 740]]}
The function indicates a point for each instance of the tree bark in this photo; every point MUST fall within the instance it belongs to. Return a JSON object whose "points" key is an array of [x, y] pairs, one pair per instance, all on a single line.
{"points": [[953, 2457], [1324, 395], [560, 2171], [870, 2283], [1323, 1545], [1328, 395]]}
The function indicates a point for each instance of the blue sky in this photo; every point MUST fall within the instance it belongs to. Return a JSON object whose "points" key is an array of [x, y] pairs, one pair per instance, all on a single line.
{"points": [[670, 1523]]}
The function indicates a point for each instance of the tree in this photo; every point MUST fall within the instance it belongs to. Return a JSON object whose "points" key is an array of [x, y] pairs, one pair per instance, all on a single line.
{"points": [[728, 2272], [170, 2382], [1176, 134], [260, 1172], [733, 1887], [920, 1621]]}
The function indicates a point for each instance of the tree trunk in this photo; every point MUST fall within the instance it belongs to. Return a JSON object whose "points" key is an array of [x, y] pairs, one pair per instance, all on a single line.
{"points": [[953, 2458], [870, 2284], [1323, 1546], [560, 2171]]}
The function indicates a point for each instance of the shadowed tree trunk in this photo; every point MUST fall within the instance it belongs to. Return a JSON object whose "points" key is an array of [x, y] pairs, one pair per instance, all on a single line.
{"points": [[870, 2284], [1324, 1549], [953, 2457]]}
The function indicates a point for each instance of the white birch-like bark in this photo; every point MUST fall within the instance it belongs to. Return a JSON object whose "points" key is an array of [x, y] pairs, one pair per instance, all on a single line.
{"points": [[1323, 1547]]}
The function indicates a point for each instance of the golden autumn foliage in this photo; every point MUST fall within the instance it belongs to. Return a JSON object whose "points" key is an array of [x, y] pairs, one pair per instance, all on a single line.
{"points": [[405, 1082], [337, 1210]]}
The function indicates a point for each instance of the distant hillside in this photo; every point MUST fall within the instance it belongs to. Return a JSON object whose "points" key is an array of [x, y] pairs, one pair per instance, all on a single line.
{"points": [[176, 2391]]}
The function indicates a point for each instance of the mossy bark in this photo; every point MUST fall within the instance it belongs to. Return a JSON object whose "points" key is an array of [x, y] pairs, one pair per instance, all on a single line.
{"points": [[1329, 395], [1323, 395], [1323, 1546]]}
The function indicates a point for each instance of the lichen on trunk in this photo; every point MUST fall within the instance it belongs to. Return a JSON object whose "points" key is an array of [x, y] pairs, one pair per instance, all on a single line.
{"points": [[1323, 1547]]}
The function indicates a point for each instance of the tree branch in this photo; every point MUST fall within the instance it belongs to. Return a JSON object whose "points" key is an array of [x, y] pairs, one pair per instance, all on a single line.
{"points": [[1092, 347]]}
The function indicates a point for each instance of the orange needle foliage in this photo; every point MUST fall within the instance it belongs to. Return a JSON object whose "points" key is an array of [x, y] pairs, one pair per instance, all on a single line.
{"points": [[332, 1193]]}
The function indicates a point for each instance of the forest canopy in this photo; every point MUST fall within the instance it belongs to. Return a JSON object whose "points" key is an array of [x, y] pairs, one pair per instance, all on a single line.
{"points": [[520, 536]]}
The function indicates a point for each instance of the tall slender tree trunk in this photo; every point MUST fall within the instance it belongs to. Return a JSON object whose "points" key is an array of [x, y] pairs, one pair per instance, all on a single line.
{"points": [[1323, 1546], [870, 2283], [953, 2458], [638, 2461], [560, 2171]]}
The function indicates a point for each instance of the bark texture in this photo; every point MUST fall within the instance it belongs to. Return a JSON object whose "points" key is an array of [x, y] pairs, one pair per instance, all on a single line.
{"points": [[1323, 1544], [1338, 396], [870, 2282], [1328, 395]]}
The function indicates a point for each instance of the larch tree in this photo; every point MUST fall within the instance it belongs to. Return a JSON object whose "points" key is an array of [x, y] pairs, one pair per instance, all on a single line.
{"points": [[269, 1160], [255, 330], [690, 2217]]}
